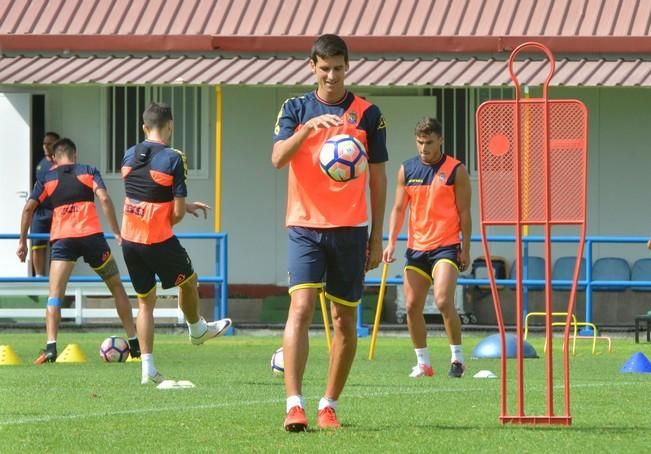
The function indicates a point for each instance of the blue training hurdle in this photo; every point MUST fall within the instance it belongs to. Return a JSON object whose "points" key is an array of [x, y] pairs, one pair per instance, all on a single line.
{"points": [[219, 279]]}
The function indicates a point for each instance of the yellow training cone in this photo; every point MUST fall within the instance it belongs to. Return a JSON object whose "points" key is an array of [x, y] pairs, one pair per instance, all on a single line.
{"points": [[72, 354], [8, 356]]}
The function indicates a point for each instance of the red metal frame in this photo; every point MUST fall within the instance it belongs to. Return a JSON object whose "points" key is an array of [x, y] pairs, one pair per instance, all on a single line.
{"points": [[490, 205]]}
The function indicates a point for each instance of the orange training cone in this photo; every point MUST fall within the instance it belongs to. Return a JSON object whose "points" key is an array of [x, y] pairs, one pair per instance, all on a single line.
{"points": [[8, 356], [72, 354]]}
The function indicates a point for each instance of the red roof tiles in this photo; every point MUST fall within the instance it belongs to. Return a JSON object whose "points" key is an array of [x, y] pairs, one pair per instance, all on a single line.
{"points": [[568, 18]]}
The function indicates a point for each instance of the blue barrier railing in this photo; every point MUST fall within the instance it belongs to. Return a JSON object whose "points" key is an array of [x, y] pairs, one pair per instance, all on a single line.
{"points": [[586, 284], [219, 279]]}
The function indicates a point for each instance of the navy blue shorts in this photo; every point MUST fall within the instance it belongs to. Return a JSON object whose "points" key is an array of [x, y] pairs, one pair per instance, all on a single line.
{"points": [[337, 255], [41, 223], [425, 261], [93, 248], [168, 260]]}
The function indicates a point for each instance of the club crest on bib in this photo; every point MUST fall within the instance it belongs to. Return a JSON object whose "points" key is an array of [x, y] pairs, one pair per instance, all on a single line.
{"points": [[352, 118]]}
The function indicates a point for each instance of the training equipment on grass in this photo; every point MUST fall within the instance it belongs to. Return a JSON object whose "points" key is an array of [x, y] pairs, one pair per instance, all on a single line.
{"points": [[278, 363], [378, 310], [72, 354], [532, 172], [638, 364], [575, 329], [343, 158], [484, 374], [491, 347], [324, 313], [114, 349], [8, 356], [175, 384]]}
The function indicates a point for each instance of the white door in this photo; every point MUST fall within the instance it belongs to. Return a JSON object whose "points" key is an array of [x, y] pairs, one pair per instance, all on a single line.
{"points": [[15, 137]]}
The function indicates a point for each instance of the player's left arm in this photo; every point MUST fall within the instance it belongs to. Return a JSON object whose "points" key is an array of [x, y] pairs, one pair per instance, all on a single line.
{"points": [[378, 156], [462, 193], [180, 190], [378, 186], [178, 212]]}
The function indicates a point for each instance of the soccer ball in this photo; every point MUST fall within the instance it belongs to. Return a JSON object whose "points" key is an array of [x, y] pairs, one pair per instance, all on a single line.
{"points": [[343, 158], [114, 350], [278, 363]]}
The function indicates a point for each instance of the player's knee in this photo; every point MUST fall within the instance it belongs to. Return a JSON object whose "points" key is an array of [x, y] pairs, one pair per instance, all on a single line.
{"points": [[108, 270], [344, 324], [414, 306], [54, 302], [302, 309], [445, 305]]}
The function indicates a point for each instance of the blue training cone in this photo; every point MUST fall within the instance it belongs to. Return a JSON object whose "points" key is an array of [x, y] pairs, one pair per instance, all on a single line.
{"points": [[637, 364], [490, 347]]}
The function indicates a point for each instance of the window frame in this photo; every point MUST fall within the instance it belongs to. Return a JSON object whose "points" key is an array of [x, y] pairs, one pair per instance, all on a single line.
{"points": [[203, 127]]}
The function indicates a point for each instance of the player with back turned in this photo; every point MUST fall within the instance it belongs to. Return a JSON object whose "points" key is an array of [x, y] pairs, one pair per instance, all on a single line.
{"points": [[76, 232], [154, 178]]}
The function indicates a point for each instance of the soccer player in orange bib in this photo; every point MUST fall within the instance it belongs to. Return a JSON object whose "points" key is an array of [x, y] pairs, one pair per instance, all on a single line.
{"points": [[327, 222], [436, 189], [154, 180], [76, 232]]}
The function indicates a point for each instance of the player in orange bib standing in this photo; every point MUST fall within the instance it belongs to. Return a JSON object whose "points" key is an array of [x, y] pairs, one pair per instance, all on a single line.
{"points": [[327, 222], [76, 232], [436, 189]]}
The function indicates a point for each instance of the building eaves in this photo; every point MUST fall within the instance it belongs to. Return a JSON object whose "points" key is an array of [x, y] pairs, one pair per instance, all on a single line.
{"points": [[405, 72]]}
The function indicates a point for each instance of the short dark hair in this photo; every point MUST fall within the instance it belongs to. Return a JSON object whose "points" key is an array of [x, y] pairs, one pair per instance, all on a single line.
{"points": [[157, 115], [427, 126], [52, 134], [65, 146], [329, 45]]}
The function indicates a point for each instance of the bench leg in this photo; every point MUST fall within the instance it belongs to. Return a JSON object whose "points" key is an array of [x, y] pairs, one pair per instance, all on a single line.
{"points": [[648, 332], [637, 331]]}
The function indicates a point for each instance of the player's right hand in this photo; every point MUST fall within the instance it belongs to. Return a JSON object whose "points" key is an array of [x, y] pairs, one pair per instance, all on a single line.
{"points": [[387, 255], [324, 121], [21, 252]]}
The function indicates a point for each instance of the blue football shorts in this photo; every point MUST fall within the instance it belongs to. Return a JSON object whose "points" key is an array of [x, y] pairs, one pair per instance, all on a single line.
{"points": [[335, 255], [424, 262], [168, 260], [93, 248]]}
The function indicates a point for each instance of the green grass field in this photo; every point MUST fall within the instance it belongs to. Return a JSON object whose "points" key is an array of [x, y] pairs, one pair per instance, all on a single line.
{"points": [[238, 406]]}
